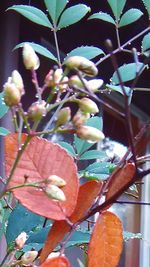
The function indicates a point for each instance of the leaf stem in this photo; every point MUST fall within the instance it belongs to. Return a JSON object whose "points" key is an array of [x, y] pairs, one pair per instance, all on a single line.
{"points": [[56, 44]]}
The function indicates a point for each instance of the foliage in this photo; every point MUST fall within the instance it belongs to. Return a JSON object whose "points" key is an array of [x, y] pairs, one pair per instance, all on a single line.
{"points": [[53, 194]]}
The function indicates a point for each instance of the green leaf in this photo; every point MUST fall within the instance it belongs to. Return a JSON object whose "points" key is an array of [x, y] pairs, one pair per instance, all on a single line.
{"points": [[68, 147], [81, 145], [127, 72], [3, 107], [101, 167], [4, 131], [117, 88], [146, 43], [22, 220], [128, 235], [88, 52], [55, 8], [39, 49], [95, 176], [130, 16], [32, 13], [117, 7], [79, 237], [93, 154], [147, 6], [72, 15], [102, 16]]}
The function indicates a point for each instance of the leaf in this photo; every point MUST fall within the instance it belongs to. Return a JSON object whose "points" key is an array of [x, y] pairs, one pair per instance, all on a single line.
{"points": [[102, 16], [106, 241], [60, 229], [119, 179], [93, 154], [88, 52], [59, 261], [117, 7], [118, 89], [3, 107], [79, 237], [147, 6], [32, 13], [55, 8], [26, 223], [39, 49], [68, 147], [95, 176], [127, 72], [81, 145], [41, 159], [128, 235], [72, 15], [146, 43], [130, 16], [4, 131]]}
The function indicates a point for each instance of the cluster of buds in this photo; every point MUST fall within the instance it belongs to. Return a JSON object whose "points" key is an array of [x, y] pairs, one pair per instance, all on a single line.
{"points": [[13, 89], [56, 78], [53, 187]]}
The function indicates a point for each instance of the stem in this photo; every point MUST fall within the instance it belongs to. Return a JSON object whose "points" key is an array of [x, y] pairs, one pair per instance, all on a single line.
{"points": [[56, 44], [118, 37], [132, 202], [124, 45], [36, 84]]}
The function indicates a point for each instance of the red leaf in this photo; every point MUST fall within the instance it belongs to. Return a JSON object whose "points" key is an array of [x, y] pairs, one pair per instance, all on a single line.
{"points": [[40, 160], [59, 261], [106, 241], [119, 179], [87, 194]]}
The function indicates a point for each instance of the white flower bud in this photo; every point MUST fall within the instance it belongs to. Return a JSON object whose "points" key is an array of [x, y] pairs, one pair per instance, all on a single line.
{"points": [[88, 106], [12, 95], [20, 240], [54, 192], [28, 257], [30, 59], [90, 134], [94, 85], [17, 80], [37, 110], [64, 116], [56, 180]]}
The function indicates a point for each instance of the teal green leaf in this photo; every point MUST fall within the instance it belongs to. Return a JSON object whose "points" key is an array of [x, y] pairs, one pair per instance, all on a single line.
{"points": [[147, 6], [146, 44], [128, 235], [4, 131], [55, 8], [81, 145], [95, 176], [88, 52], [117, 7], [79, 237], [68, 147], [101, 167], [130, 16], [93, 154], [33, 14], [117, 88], [102, 16], [72, 15], [22, 220], [39, 49], [3, 107], [127, 72]]}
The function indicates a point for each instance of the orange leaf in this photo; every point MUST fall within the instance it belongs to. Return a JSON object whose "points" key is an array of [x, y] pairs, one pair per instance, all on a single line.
{"points": [[119, 179], [106, 241], [87, 194], [59, 261], [41, 159]]}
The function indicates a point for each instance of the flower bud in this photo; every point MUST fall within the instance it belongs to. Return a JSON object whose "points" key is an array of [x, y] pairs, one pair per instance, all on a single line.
{"points": [[28, 257], [88, 106], [83, 64], [80, 118], [54, 78], [12, 94], [75, 81], [17, 80], [54, 192], [30, 59], [64, 116], [37, 110], [56, 180], [94, 85], [20, 240], [90, 134]]}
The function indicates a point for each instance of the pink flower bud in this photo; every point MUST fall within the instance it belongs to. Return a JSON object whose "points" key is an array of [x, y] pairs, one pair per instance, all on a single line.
{"points": [[56, 180], [82, 64], [54, 192], [28, 257], [88, 106], [64, 116], [17, 80], [37, 110], [90, 134], [12, 95], [30, 59], [80, 118], [20, 240]]}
